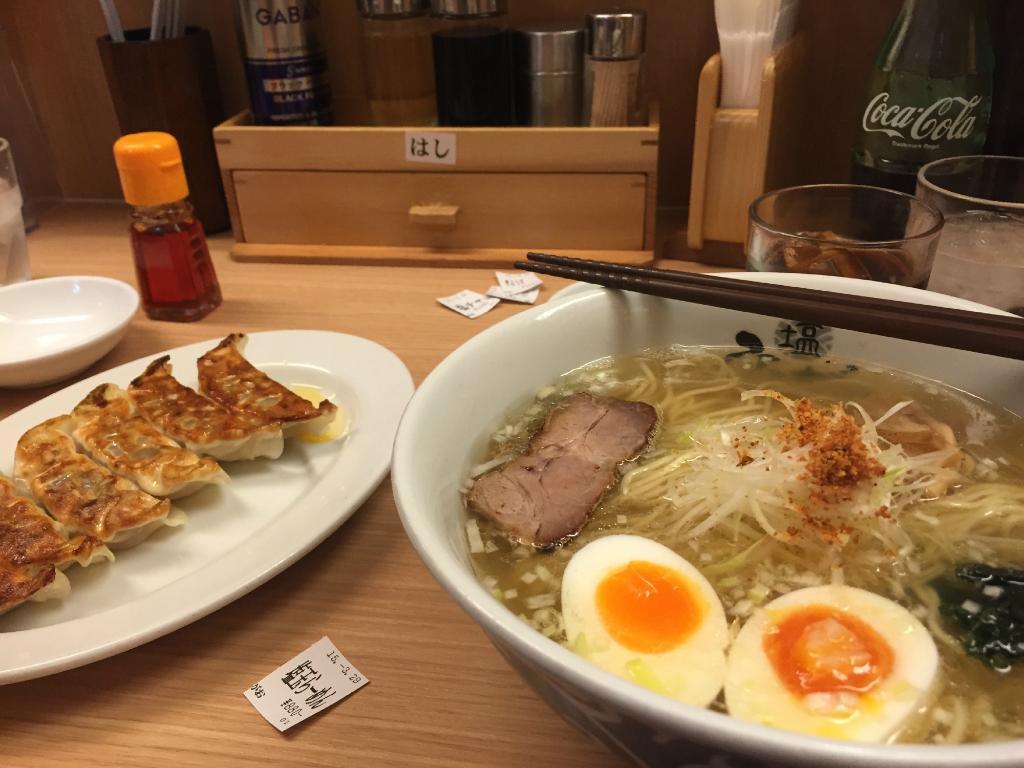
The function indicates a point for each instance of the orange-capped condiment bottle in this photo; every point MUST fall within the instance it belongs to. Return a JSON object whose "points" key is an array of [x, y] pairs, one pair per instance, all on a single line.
{"points": [[172, 261]]}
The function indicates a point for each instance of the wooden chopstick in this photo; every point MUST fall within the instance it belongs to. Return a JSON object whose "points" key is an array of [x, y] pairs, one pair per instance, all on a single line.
{"points": [[727, 283], [770, 289], [998, 335]]}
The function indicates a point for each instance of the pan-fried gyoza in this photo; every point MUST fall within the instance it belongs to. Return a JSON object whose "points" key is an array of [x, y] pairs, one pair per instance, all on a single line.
{"points": [[108, 427], [200, 424], [227, 377], [105, 473], [33, 551], [83, 496]]}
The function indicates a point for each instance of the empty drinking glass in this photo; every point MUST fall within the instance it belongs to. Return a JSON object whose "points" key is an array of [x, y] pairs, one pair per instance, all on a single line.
{"points": [[844, 230], [13, 248], [981, 252]]}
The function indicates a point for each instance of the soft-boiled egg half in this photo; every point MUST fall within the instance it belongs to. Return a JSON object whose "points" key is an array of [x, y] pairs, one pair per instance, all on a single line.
{"points": [[637, 609], [831, 661]]}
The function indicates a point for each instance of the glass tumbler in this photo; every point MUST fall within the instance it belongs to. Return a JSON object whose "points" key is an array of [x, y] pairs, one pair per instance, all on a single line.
{"points": [[13, 247], [844, 230], [981, 251]]}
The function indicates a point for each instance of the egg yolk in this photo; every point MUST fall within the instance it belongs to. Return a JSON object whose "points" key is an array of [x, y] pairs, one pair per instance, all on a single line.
{"points": [[648, 608], [821, 649]]}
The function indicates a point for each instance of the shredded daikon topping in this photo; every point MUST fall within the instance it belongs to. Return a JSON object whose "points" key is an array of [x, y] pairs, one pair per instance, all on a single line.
{"points": [[817, 480], [476, 542]]}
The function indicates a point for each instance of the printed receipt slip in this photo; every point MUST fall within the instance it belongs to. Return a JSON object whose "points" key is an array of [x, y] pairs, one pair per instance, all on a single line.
{"points": [[305, 685]]}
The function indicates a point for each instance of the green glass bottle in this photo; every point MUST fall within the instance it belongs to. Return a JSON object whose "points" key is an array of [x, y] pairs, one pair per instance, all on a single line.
{"points": [[930, 93]]}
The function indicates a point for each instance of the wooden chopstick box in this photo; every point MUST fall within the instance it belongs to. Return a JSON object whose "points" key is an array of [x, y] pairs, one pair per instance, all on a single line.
{"points": [[740, 153], [351, 194]]}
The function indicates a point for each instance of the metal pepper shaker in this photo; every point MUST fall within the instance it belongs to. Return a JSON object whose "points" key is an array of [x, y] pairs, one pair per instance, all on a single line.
{"points": [[549, 74], [613, 80]]}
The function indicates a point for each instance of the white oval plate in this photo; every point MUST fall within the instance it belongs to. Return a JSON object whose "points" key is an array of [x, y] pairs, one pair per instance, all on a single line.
{"points": [[51, 329], [237, 537]]}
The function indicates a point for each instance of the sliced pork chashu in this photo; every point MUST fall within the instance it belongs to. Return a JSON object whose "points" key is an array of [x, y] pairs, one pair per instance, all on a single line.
{"points": [[197, 422], [227, 377], [919, 433], [548, 493]]}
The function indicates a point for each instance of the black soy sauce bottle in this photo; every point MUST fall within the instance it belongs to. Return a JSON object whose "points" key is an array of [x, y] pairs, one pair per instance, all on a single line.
{"points": [[472, 63]]}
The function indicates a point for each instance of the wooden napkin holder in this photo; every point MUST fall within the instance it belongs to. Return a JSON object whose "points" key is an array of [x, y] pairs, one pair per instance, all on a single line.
{"points": [[351, 195], [740, 153]]}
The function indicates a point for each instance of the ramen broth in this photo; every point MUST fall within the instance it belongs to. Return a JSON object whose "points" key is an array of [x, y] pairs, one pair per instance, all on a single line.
{"points": [[974, 516]]}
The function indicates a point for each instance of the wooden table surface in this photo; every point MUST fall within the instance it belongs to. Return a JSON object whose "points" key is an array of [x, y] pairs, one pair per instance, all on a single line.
{"points": [[440, 695]]}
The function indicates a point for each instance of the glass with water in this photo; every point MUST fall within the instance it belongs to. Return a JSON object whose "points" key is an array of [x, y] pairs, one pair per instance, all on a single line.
{"points": [[981, 252], [13, 248]]}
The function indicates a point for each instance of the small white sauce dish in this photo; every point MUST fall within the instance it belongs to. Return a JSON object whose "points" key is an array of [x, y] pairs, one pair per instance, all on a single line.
{"points": [[53, 328]]}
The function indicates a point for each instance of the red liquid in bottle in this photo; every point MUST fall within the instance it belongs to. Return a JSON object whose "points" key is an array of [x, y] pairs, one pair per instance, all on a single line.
{"points": [[174, 270]]}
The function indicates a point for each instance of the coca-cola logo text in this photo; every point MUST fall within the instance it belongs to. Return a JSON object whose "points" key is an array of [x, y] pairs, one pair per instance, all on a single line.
{"points": [[946, 119]]}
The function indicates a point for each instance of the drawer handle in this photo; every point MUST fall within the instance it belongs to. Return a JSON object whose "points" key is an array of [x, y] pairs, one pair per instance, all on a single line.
{"points": [[437, 215]]}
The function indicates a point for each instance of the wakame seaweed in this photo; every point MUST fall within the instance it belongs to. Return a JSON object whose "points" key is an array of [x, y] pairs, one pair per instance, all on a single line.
{"points": [[986, 606]]}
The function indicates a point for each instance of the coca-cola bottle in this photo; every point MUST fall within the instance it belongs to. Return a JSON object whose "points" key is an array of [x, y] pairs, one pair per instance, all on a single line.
{"points": [[930, 93], [1006, 127]]}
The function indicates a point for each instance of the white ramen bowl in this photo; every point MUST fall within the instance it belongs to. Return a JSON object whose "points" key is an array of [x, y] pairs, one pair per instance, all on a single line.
{"points": [[470, 393], [53, 328]]}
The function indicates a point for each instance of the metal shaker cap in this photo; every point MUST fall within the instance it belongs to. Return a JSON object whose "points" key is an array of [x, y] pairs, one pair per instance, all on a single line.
{"points": [[548, 48], [379, 8], [616, 35], [467, 7]]}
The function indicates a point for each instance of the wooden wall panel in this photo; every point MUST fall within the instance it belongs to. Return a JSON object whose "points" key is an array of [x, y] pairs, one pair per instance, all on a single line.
{"points": [[57, 41], [61, 67], [18, 118], [843, 38]]}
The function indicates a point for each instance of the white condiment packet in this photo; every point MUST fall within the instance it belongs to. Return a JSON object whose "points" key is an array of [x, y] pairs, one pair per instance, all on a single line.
{"points": [[525, 297], [518, 282], [469, 303], [305, 686]]}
